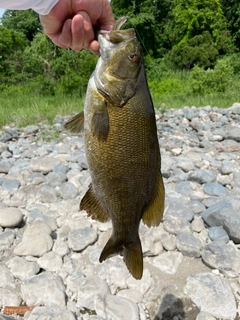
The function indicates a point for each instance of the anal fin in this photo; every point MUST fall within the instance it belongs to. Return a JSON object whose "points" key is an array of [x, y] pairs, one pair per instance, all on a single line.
{"points": [[75, 124], [154, 211], [92, 206]]}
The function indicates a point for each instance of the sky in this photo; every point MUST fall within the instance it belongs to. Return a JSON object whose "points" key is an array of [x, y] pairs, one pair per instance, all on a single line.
{"points": [[1, 12]]}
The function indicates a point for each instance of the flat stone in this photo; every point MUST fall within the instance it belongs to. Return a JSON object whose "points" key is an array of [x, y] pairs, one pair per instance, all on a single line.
{"points": [[21, 268], [213, 295], [202, 176], [47, 194], [44, 164], [88, 291], [9, 297], [215, 189], [6, 278], [218, 234], [51, 313], [10, 217], [174, 207], [50, 261], [174, 225], [5, 165], [68, 191], [168, 262], [79, 239], [224, 257], [205, 316], [44, 289], [115, 308], [223, 214], [6, 239], [188, 244], [32, 129], [11, 185], [168, 241]]}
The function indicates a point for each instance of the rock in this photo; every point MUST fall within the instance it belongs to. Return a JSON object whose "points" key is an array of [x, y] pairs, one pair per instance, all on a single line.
{"points": [[44, 289], [223, 257], [131, 294], [213, 295], [168, 241], [232, 132], [50, 261], [22, 269], [79, 239], [51, 313], [6, 239], [55, 179], [115, 308], [68, 191], [9, 297], [174, 225], [88, 291], [31, 129], [197, 224], [202, 176], [5, 165], [6, 278], [36, 240], [218, 234], [205, 316], [215, 189], [168, 262], [44, 164], [47, 194], [188, 244], [175, 208], [10, 185], [223, 214], [10, 217]]}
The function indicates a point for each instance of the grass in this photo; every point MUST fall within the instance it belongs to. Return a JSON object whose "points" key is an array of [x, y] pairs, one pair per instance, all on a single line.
{"points": [[26, 109]]}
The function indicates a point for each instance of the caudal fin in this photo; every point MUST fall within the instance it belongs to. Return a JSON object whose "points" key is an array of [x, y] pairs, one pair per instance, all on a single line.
{"points": [[132, 254]]}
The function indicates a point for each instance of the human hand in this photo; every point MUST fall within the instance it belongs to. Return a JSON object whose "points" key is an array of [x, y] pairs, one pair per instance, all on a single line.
{"points": [[71, 23]]}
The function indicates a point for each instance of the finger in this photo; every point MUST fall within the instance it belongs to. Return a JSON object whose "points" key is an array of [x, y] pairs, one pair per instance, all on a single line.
{"points": [[78, 33], [88, 31], [63, 38], [94, 47]]}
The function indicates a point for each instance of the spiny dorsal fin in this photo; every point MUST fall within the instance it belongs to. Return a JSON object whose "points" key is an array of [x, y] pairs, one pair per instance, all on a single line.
{"points": [[92, 206], [75, 124], [154, 211]]}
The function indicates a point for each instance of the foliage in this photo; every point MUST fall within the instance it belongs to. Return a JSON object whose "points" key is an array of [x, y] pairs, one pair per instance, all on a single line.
{"points": [[211, 80], [198, 33], [24, 21]]}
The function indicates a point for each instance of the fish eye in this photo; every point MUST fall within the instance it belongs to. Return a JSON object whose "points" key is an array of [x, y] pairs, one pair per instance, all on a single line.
{"points": [[133, 57]]}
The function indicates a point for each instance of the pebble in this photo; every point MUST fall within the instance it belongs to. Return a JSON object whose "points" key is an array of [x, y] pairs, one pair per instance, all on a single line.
{"points": [[49, 250], [10, 217]]}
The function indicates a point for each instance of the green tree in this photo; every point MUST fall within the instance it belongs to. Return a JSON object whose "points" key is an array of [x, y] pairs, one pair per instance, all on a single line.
{"points": [[198, 33], [25, 21], [231, 9], [12, 45], [149, 18]]}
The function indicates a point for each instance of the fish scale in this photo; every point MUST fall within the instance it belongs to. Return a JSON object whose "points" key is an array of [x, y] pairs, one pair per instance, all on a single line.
{"points": [[121, 147]]}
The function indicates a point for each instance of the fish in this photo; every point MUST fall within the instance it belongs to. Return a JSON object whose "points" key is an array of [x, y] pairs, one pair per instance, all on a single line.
{"points": [[121, 145]]}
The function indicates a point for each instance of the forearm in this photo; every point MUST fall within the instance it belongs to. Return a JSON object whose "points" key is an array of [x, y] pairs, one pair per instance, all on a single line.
{"points": [[40, 6]]}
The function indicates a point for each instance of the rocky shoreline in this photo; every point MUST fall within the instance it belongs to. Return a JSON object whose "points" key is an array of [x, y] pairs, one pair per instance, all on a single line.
{"points": [[49, 249]]}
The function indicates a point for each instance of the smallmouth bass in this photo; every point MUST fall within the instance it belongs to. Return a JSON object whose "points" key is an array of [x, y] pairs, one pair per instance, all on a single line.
{"points": [[121, 146]]}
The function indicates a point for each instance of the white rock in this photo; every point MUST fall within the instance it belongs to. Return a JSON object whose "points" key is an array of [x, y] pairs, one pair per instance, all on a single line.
{"points": [[114, 308], [60, 247], [21, 268], [168, 262], [51, 313], [205, 316], [9, 297], [44, 289], [79, 239], [211, 294], [89, 289], [50, 261], [131, 294], [10, 217], [34, 246], [6, 278]]}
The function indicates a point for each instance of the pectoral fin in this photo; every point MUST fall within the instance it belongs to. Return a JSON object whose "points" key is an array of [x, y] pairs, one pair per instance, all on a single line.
{"points": [[75, 124], [92, 206], [100, 124], [154, 211]]}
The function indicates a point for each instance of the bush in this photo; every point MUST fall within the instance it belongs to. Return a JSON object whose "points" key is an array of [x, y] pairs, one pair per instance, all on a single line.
{"points": [[207, 81]]}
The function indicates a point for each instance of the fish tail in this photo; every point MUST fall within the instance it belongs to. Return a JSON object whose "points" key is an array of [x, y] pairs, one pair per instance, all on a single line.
{"points": [[132, 254]]}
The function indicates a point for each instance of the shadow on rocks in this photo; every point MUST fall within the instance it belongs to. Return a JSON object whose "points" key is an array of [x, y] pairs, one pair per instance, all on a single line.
{"points": [[170, 307]]}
